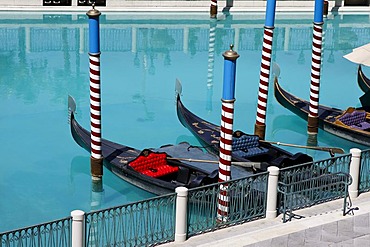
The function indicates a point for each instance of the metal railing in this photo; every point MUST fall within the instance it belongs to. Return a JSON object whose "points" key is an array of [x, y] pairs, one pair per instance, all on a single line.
{"points": [[247, 202], [308, 184], [313, 169], [152, 221], [312, 191], [364, 183], [52, 234], [142, 223]]}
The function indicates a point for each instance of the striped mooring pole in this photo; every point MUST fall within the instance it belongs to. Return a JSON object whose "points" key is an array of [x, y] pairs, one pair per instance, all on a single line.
{"points": [[226, 133], [260, 126], [96, 160], [213, 9], [312, 122]]}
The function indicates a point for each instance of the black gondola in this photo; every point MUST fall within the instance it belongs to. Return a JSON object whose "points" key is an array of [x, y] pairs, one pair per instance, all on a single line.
{"points": [[247, 148], [158, 170], [352, 124], [362, 80]]}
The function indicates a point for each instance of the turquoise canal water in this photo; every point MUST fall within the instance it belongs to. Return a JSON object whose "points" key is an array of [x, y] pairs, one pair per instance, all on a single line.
{"points": [[44, 175]]}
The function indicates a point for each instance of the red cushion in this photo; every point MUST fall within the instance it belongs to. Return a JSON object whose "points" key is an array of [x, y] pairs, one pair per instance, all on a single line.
{"points": [[153, 165]]}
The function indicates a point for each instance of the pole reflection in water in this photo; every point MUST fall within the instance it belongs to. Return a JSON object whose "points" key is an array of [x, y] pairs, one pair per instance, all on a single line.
{"points": [[211, 62]]}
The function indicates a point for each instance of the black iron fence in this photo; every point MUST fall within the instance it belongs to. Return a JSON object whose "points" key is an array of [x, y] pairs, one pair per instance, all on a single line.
{"points": [[52, 234]]}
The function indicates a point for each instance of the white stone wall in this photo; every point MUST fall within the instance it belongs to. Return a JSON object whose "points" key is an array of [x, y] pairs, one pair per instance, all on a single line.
{"points": [[11, 3], [173, 5], [165, 3]]}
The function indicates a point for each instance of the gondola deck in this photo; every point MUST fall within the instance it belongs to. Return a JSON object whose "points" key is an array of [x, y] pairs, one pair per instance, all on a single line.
{"points": [[157, 170], [247, 148]]}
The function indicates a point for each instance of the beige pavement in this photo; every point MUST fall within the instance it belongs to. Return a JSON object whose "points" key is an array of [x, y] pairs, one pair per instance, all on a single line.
{"points": [[322, 225]]}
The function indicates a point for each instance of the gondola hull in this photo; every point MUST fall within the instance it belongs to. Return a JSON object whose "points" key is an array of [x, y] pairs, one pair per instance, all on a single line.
{"points": [[362, 80], [119, 159], [208, 134], [328, 118]]}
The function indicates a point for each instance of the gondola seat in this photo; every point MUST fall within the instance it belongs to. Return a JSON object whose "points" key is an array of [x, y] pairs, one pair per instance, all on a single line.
{"points": [[355, 119], [248, 146], [154, 165], [202, 179], [183, 175]]}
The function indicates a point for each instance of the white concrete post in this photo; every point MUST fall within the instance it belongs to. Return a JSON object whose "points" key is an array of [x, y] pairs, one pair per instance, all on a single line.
{"points": [[78, 228], [181, 214], [272, 191], [354, 171]]}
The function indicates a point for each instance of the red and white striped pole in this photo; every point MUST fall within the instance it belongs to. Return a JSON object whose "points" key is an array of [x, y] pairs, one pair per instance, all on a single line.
{"points": [[312, 122], [260, 126], [226, 133], [96, 160]]}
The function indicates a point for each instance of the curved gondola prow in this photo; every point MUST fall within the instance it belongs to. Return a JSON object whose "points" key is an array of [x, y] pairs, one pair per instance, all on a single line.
{"points": [[294, 104], [280, 95], [362, 80], [178, 87], [79, 134], [179, 105], [179, 109], [71, 107], [276, 70]]}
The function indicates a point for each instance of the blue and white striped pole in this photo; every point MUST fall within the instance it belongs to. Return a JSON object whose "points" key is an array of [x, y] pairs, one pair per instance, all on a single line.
{"points": [[312, 122], [96, 160], [260, 127], [226, 133]]}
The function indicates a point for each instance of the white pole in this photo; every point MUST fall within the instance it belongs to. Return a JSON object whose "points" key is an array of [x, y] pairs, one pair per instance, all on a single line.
{"points": [[272, 185], [78, 228], [181, 214], [354, 171]]}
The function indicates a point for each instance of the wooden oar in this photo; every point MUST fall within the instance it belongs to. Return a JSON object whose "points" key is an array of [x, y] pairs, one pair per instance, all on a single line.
{"points": [[332, 150], [246, 164], [250, 164]]}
